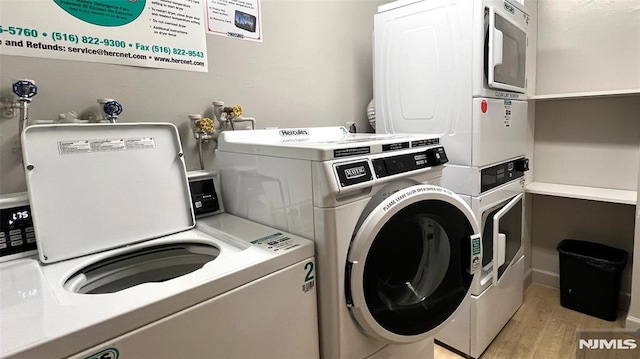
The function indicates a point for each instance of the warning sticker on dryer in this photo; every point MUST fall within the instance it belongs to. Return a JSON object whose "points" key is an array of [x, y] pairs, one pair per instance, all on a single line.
{"points": [[276, 242], [105, 145], [412, 191], [507, 113]]}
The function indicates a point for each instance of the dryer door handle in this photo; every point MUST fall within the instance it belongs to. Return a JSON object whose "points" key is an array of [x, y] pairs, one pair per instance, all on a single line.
{"points": [[502, 244], [500, 239]]}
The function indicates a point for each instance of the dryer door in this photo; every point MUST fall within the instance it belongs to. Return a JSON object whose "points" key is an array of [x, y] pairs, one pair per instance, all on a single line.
{"points": [[411, 262]]}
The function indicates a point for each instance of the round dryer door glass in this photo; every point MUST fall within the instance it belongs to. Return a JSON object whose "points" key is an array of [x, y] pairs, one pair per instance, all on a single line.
{"points": [[408, 268]]}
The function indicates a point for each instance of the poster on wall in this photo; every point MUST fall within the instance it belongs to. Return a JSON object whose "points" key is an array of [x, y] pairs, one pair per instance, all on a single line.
{"points": [[239, 19], [147, 33]]}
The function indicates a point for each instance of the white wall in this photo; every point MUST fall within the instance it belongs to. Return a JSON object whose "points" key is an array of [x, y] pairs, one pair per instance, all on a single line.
{"points": [[314, 68], [588, 45], [585, 46], [588, 142]]}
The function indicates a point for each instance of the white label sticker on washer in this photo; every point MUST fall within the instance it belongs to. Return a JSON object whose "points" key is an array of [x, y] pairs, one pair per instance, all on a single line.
{"points": [[66, 147], [476, 254], [276, 242], [140, 143], [106, 145]]}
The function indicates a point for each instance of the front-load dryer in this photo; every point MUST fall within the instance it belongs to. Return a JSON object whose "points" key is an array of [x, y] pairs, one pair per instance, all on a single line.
{"points": [[125, 271], [396, 253], [456, 68]]}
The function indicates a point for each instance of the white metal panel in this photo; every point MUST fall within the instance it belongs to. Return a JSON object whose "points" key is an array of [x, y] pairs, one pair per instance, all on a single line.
{"points": [[453, 334], [310, 143], [238, 324], [422, 70], [483, 316], [422, 349], [270, 190], [500, 132], [95, 187], [486, 319]]}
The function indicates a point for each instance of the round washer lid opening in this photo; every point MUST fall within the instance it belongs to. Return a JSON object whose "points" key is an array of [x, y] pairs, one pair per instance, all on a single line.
{"points": [[149, 265], [408, 266], [414, 277]]}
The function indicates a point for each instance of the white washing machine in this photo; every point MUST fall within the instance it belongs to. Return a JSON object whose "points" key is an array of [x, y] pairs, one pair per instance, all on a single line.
{"points": [[396, 253], [123, 273]]}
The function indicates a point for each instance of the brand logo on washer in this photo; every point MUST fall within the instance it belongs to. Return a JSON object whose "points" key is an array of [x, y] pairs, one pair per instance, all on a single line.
{"points": [[296, 132], [355, 172], [509, 8]]}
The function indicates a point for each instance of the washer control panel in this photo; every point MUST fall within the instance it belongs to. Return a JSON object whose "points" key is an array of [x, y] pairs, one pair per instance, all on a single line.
{"points": [[393, 165], [359, 171], [17, 236], [204, 197], [494, 176]]}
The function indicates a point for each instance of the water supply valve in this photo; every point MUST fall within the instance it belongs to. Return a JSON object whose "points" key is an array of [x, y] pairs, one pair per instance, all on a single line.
{"points": [[111, 108], [229, 116], [205, 124], [203, 128], [25, 90]]}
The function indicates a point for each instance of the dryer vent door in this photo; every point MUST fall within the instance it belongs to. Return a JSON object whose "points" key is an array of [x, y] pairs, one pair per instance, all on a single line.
{"points": [[408, 267]]}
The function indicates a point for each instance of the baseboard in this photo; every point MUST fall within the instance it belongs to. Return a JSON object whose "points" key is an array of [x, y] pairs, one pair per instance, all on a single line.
{"points": [[547, 278], [632, 323]]}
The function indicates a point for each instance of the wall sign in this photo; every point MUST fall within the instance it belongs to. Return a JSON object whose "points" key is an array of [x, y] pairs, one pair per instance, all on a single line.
{"points": [[148, 33], [240, 19]]}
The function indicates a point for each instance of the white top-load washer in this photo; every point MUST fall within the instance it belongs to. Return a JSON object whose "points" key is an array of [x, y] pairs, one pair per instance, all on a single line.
{"points": [[396, 253], [122, 272]]}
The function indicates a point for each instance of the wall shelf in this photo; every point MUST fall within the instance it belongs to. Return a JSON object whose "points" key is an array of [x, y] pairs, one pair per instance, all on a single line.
{"points": [[591, 94], [583, 192]]}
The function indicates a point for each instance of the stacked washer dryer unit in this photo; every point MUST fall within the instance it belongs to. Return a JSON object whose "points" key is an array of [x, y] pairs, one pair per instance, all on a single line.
{"points": [[121, 271], [456, 68], [396, 253]]}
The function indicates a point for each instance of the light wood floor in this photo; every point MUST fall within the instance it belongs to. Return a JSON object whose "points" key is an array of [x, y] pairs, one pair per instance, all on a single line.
{"points": [[540, 329]]}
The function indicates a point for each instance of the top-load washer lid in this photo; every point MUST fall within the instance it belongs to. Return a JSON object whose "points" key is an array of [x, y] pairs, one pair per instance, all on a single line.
{"points": [[101, 186]]}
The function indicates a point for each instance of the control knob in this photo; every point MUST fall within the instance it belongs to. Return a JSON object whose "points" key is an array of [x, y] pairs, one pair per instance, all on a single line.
{"points": [[522, 164], [436, 156]]}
